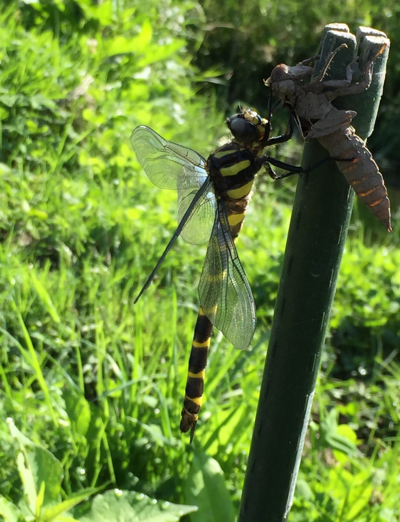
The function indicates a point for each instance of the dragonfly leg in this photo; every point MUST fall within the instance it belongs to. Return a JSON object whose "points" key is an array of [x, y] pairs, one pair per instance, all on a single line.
{"points": [[267, 161], [270, 171], [292, 169], [283, 137]]}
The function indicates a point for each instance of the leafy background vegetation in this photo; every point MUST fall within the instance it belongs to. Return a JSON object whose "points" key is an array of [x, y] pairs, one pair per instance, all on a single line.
{"points": [[91, 387]]}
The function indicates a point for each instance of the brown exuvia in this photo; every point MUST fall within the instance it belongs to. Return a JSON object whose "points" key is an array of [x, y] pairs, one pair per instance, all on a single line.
{"points": [[319, 119]]}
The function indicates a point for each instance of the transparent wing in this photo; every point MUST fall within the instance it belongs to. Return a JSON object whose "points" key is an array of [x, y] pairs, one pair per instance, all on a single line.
{"points": [[172, 166], [188, 214], [225, 293], [167, 164], [197, 229]]}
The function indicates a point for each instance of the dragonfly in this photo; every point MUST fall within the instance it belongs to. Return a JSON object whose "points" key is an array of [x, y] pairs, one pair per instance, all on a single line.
{"points": [[213, 195]]}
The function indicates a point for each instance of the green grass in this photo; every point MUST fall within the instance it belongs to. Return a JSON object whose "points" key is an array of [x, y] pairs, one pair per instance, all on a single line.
{"points": [[95, 384]]}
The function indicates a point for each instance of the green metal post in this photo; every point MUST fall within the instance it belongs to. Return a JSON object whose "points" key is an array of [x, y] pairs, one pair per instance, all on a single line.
{"points": [[313, 254]]}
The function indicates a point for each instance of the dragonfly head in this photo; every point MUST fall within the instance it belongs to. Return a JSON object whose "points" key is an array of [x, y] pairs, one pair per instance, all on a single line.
{"points": [[247, 126]]}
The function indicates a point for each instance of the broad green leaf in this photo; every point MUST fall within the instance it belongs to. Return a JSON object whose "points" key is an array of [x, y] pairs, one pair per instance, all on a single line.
{"points": [[78, 411], [332, 436], [8, 99], [205, 487], [9, 512], [37, 466], [58, 512], [129, 506], [303, 490]]}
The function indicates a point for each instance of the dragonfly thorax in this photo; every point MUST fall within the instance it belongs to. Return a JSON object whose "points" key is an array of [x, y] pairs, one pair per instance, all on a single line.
{"points": [[231, 166]]}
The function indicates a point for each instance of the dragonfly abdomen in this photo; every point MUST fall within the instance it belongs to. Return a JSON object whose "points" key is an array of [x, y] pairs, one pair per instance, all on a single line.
{"points": [[233, 173], [236, 207], [196, 373], [360, 171]]}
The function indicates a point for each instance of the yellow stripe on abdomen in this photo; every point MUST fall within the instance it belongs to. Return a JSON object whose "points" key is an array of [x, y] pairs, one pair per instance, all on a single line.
{"points": [[234, 219], [241, 192], [196, 374], [205, 344], [199, 375]]}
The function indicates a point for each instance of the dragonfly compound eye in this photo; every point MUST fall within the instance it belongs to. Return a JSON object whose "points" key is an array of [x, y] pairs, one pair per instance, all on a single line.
{"points": [[242, 129]]}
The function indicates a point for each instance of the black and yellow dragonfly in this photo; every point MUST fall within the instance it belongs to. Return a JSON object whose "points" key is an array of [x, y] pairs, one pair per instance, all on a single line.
{"points": [[212, 198]]}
